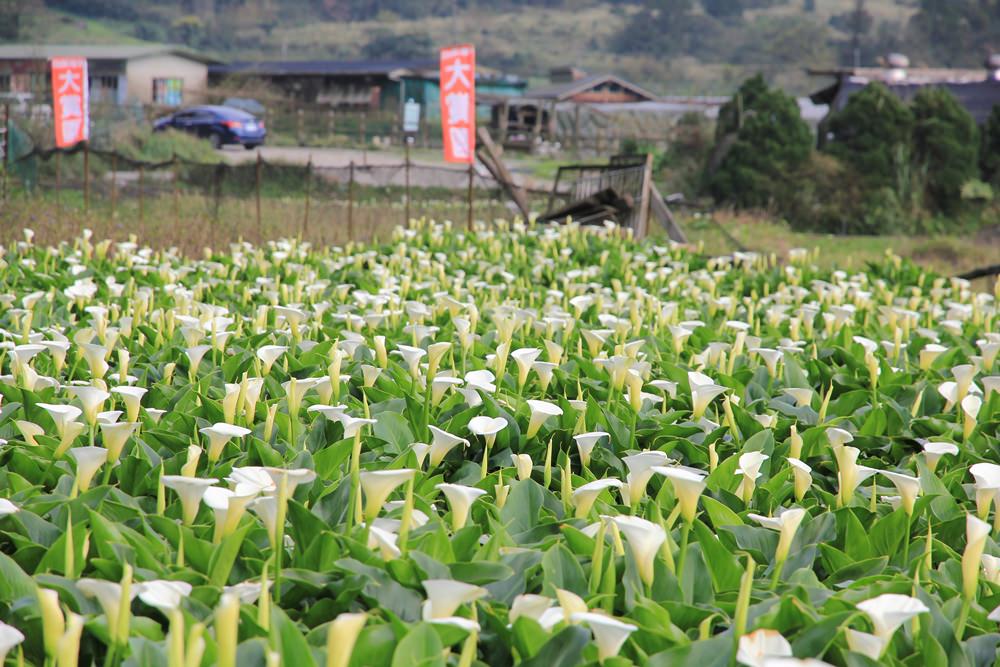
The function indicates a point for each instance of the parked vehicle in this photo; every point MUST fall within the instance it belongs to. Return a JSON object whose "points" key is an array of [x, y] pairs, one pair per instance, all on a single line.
{"points": [[218, 124]]}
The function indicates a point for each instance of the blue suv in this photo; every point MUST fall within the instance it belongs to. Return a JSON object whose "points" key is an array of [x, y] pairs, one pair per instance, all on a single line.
{"points": [[220, 125]]}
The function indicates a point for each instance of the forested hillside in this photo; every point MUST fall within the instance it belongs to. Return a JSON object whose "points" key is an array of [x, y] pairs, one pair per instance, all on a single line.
{"points": [[681, 45]]}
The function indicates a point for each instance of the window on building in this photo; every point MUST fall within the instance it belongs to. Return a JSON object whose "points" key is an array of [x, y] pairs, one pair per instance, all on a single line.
{"points": [[168, 92], [4, 83], [103, 88]]}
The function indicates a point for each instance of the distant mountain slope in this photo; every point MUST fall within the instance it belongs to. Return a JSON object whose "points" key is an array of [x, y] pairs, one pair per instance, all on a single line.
{"points": [[670, 46]]}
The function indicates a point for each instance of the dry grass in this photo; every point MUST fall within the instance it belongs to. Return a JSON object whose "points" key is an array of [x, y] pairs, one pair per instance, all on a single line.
{"points": [[193, 226], [947, 255]]}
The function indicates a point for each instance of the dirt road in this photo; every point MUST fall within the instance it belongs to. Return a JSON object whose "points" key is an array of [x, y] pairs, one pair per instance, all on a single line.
{"points": [[379, 167]]}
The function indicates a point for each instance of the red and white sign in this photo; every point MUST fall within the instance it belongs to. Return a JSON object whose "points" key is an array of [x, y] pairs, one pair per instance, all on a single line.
{"points": [[458, 102], [70, 101]]}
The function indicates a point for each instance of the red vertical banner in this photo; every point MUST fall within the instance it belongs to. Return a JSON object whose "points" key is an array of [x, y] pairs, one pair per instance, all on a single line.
{"points": [[458, 102], [70, 101]]}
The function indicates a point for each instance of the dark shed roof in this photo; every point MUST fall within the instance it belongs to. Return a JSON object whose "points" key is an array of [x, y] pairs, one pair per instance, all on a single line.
{"points": [[564, 91], [978, 90], [325, 67]]}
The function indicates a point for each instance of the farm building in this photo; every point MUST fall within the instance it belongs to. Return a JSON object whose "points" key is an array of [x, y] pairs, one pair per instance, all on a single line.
{"points": [[359, 84], [978, 90], [147, 74], [522, 119]]}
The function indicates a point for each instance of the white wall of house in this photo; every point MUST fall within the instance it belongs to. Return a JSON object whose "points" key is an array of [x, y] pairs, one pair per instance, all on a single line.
{"points": [[141, 73]]}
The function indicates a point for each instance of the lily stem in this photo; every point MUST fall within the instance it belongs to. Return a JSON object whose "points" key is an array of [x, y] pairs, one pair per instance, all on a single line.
{"points": [[682, 556]]}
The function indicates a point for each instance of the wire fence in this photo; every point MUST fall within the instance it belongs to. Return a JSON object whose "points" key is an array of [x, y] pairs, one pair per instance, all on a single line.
{"points": [[197, 204], [580, 128]]}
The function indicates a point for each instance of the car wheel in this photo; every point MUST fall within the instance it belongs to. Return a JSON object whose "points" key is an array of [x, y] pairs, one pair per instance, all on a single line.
{"points": [[249, 147], [215, 139]]}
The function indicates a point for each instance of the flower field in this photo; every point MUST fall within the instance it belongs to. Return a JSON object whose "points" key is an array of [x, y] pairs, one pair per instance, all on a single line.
{"points": [[545, 446]]}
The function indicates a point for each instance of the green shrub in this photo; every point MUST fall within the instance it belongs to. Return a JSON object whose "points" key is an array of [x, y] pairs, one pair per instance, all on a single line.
{"points": [[872, 135], [761, 140], [945, 147]]}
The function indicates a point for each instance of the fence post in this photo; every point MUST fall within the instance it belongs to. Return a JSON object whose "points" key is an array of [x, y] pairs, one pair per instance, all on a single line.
{"points": [[114, 183], [298, 127], [364, 137], [177, 205], [472, 173], [58, 185], [350, 203], [305, 217], [406, 172], [142, 178], [329, 122], [6, 149], [576, 130], [218, 195], [86, 176], [257, 177]]}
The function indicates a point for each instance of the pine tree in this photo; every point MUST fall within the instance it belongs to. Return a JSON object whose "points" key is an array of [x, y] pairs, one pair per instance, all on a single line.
{"points": [[872, 135], [769, 142], [945, 147]]}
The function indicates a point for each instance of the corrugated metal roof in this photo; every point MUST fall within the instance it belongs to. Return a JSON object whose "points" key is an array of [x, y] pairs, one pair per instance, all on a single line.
{"points": [[96, 52], [978, 97], [425, 68], [326, 67], [918, 75], [562, 91]]}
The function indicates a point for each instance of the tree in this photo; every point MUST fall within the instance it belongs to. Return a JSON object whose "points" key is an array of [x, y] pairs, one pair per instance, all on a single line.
{"points": [[731, 113], [872, 135], [768, 141], [945, 147], [723, 8], [385, 45], [989, 161]]}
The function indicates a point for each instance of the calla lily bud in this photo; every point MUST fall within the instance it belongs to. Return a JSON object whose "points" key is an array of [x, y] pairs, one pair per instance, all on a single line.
{"points": [[976, 532], [227, 618], [69, 644], [795, 443], [522, 463], [381, 355], [801, 476], [341, 636], [850, 473], [53, 622]]}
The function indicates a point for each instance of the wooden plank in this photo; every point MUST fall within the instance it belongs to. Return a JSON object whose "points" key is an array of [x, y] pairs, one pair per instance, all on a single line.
{"points": [[662, 212], [489, 155], [642, 224]]}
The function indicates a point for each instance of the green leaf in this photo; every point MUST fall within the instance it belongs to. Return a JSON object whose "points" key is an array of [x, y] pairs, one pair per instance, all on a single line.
{"points": [[722, 565], [221, 563], [563, 650], [290, 642], [562, 570], [421, 647]]}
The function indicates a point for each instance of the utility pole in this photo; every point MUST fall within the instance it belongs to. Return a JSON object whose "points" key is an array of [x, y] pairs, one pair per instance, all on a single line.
{"points": [[857, 24]]}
